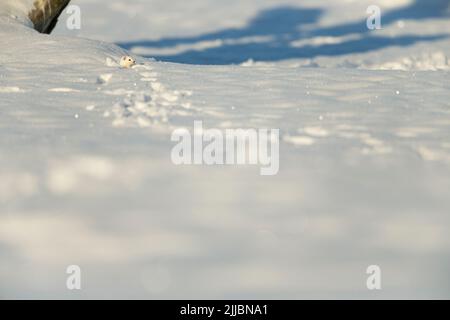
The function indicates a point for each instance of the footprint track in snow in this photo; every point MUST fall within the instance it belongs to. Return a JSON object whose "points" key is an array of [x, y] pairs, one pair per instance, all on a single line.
{"points": [[154, 105], [11, 90]]}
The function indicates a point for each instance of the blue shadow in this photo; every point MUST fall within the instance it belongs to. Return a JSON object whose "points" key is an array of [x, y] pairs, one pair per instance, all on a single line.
{"points": [[269, 36]]}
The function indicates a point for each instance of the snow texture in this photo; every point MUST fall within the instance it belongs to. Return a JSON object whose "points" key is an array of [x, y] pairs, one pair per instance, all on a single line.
{"points": [[86, 176]]}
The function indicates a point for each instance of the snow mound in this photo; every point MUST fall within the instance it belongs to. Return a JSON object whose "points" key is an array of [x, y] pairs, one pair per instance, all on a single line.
{"points": [[24, 47], [425, 62]]}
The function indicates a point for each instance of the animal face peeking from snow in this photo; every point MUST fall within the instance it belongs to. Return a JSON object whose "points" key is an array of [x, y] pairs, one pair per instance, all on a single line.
{"points": [[127, 62]]}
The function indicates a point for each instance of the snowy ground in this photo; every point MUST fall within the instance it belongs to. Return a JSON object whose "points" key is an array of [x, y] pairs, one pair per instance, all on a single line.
{"points": [[86, 176]]}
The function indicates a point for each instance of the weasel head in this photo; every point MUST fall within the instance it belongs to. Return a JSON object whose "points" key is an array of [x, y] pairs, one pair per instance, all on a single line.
{"points": [[127, 62]]}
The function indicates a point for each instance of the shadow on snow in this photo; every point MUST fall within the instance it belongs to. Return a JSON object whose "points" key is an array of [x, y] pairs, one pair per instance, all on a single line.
{"points": [[269, 36]]}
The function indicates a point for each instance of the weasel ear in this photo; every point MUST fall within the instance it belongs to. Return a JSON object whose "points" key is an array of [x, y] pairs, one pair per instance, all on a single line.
{"points": [[44, 14]]}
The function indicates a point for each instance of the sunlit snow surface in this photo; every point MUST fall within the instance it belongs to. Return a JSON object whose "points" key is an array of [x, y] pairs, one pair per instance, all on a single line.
{"points": [[86, 176]]}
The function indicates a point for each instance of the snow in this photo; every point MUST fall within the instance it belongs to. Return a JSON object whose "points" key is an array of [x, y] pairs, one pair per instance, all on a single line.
{"points": [[17, 10], [86, 176]]}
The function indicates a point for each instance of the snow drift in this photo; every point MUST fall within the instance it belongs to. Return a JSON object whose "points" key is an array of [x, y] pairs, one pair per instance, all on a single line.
{"points": [[86, 176]]}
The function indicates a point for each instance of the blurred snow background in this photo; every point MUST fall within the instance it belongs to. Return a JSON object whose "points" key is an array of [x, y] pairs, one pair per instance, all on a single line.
{"points": [[365, 157]]}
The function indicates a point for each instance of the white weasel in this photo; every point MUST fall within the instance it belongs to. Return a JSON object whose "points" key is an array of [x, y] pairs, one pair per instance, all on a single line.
{"points": [[127, 62]]}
